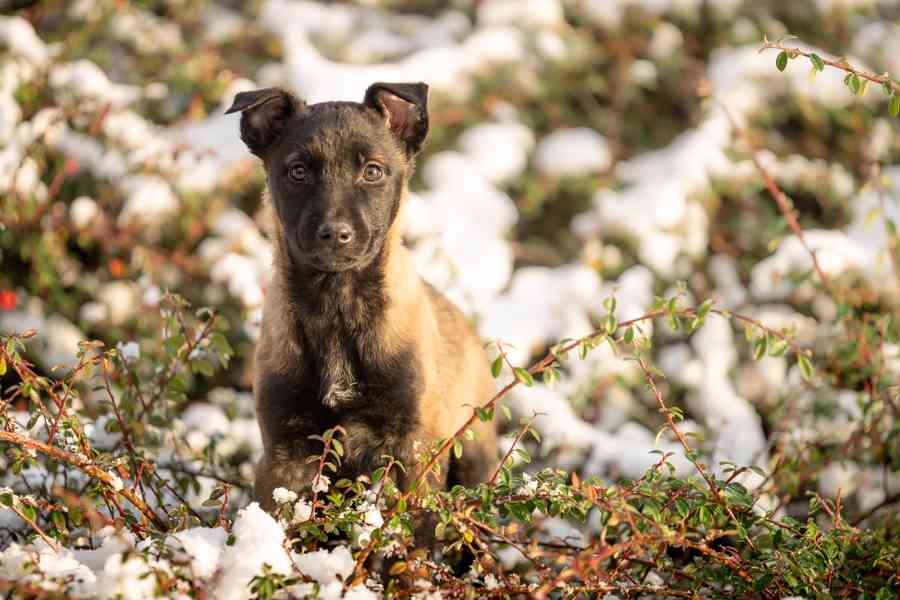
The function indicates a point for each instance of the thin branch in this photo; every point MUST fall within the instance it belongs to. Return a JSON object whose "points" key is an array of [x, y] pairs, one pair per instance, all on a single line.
{"points": [[84, 464], [841, 64]]}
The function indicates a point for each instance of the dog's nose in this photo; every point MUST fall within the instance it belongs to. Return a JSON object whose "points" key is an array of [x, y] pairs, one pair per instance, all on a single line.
{"points": [[337, 233]]}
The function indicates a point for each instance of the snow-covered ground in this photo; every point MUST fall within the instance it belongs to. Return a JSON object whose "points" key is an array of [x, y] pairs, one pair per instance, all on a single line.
{"points": [[461, 229]]}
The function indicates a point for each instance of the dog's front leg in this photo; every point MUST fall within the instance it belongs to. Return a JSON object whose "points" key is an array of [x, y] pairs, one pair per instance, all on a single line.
{"points": [[282, 469]]}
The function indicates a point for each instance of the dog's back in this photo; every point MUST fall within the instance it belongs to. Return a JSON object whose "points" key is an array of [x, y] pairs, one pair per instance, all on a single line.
{"points": [[351, 335]]}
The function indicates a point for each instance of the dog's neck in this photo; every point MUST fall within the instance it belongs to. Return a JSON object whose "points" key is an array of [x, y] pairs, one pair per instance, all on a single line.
{"points": [[336, 320], [351, 299]]}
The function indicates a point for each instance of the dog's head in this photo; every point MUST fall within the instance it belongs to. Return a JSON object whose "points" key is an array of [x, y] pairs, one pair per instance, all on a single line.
{"points": [[336, 170]]}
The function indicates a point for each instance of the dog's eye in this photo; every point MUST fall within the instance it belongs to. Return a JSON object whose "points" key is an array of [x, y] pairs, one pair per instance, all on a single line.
{"points": [[299, 173], [373, 173]]}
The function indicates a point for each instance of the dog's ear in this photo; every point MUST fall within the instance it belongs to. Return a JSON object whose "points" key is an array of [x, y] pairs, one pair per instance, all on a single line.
{"points": [[405, 107], [264, 114]]}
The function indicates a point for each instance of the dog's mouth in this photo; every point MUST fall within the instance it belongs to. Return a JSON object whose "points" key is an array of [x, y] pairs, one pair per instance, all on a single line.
{"points": [[328, 261]]}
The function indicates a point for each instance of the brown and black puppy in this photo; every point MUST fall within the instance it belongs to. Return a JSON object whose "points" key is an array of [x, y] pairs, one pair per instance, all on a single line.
{"points": [[351, 335]]}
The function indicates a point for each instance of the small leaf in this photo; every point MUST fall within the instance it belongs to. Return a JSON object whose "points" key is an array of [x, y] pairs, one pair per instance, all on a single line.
{"points": [[497, 367], [550, 377], [817, 61], [749, 332], [610, 304], [457, 448], [377, 474], [888, 87], [782, 60], [855, 84], [629, 335], [894, 107], [524, 376], [778, 349], [806, 368], [760, 347], [2, 367], [29, 512], [611, 324], [485, 414], [506, 412]]}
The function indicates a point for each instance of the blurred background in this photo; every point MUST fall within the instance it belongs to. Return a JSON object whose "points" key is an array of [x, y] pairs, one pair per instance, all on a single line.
{"points": [[578, 149]]}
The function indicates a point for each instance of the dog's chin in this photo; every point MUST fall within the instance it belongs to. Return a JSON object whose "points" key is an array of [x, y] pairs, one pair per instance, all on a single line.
{"points": [[333, 264]]}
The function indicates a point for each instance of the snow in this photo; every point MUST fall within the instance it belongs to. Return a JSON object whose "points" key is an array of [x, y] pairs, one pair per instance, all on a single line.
{"points": [[83, 80], [283, 496], [150, 202], [126, 577], [129, 350], [20, 39], [834, 250], [572, 152], [59, 339], [326, 566], [534, 14], [203, 546], [83, 211], [259, 540], [498, 151], [121, 301]]}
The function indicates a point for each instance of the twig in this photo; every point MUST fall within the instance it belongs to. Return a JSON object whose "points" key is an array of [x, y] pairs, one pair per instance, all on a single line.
{"points": [[716, 492], [37, 529], [784, 204], [512, 447], [84, 464], [841, 64]]}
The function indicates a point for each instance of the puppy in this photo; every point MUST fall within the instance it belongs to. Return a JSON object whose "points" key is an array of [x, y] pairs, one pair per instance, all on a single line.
{"points": [[351, 335]]}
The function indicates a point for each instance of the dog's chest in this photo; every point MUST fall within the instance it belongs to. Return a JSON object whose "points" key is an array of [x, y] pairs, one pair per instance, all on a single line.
{"points": [[339, 367]]}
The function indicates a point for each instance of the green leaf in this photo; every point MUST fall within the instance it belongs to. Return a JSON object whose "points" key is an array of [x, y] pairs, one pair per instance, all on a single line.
{"points": [[497, 367], [2, 367], [817, 62], [894, 106], [854, 83], [506, 412], [629, 335], [550, 376], [760, 347], [778, 349], [610, 304], [806, 368], [377, 474], [749, 332], [29, 512], [782, 60], [457, 448], [887, 86], [611, 324], [6, 499], [524, 376]]}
